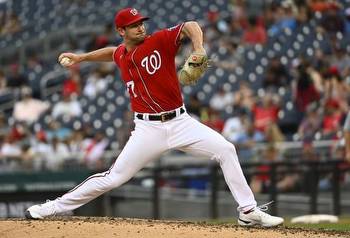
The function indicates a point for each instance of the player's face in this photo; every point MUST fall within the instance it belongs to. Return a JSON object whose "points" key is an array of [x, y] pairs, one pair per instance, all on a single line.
{"points": [[135, 33]]}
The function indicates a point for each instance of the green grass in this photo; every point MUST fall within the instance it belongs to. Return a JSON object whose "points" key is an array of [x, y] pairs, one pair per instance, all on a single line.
{"points": [[342, 225]]}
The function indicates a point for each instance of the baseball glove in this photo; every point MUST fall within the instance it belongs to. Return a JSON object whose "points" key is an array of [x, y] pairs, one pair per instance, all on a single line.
{"points": [[194, 67]]}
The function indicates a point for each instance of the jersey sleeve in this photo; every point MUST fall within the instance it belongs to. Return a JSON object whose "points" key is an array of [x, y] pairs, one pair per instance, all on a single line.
{"points": [[171, 37], [116, 54]]}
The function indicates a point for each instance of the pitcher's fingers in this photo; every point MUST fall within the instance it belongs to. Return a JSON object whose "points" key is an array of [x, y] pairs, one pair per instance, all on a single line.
{"points": [[68, 55], [61, 57]]}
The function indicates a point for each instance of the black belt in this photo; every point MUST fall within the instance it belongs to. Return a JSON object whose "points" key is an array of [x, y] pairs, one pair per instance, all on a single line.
{"points": [[166, 116]]}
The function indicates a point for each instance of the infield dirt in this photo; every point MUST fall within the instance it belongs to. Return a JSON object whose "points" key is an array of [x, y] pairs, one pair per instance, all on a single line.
{"points": [[81, 227]]}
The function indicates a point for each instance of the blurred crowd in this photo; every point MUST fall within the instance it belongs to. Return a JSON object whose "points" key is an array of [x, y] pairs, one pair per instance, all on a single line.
{"points": [[318, 85], [9, 23], [28, 143]]}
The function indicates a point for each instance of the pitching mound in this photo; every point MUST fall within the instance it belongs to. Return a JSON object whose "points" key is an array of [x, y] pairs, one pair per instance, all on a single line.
{"points": [[85, 227]]}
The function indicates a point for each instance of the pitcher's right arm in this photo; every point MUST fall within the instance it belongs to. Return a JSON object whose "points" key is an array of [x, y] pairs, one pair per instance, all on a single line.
{"points": [[104, 54]]}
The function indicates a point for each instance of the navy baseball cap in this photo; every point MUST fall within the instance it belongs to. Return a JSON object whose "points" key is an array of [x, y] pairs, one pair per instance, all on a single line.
{"points": [[128, 16]]}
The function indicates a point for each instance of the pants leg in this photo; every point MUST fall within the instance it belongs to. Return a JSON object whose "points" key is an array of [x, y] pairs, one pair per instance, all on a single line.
{"points": [[193, 137], [145, 144]]}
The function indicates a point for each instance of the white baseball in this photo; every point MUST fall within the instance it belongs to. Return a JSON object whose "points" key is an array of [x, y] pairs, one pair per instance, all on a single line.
{"points": [[65, 61]]}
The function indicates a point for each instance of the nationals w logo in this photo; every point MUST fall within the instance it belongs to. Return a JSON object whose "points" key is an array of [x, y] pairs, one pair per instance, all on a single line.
{"points": [[152, 62]]}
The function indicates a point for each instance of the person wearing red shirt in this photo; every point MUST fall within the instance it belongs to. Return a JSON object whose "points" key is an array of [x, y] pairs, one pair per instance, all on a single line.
{"points": [[265, 114], [71, 86], [147, 66], [255, 33], [332, 119]]}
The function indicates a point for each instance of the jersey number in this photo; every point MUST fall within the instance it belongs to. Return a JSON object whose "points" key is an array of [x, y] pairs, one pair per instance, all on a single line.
{"points": [[152, 62], [131, 86]]}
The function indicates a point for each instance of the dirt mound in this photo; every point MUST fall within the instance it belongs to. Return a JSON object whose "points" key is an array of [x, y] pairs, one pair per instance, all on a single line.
{"points": [[82, 227]]}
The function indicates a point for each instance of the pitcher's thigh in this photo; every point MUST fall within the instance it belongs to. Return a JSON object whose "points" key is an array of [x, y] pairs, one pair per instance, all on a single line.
{"points": [[206, 141], [142, 147]]}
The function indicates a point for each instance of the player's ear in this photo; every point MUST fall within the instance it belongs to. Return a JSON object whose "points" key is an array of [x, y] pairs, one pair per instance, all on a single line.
{"points": [[121, 31]]}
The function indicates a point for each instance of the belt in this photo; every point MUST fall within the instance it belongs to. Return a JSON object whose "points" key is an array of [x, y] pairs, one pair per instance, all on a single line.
{"points": [[166, 116]]}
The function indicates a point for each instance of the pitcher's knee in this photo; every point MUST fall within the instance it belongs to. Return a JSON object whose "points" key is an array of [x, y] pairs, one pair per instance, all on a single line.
{"points": [[228, 147], [116, 179], [226, 150]]}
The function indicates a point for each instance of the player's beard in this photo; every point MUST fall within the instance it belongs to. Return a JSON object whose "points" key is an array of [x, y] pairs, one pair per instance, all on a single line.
{"points": [[135, 39], [139, 38]]}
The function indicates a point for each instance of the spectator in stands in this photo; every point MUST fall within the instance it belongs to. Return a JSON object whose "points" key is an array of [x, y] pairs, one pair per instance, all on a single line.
{"points": [[56, 130], [221, 99], [239, 11], [34, 63], [29, 109], [347, 137], [266, 113], [234, 128], [322, 5], [95, 84], [2, 20], [57, 153], [336, 88], [304, 89], [273, 134], [12, 24], [332, 119], [339, 60], [269, 14], [319, 64], [3, 83], [75, 145], [94, 150], [244, 98], [10, 149], [211, 32], [4, 127], [20, 131], [34, 67], [194, 106], [315, 73], [103, 40], [285, 18], [261, 183], [255, 33], [240, 131], [304, 13], [214, 120], [16, 79], [41, 149], [276, 75], [27, 156], [310, 124], [235, 31], [228, 58], [69, 107], [332, 22], [72, 85]]}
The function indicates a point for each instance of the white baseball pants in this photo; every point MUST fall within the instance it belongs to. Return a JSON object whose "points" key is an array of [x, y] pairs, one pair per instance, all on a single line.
{"points": [[147, 142]]}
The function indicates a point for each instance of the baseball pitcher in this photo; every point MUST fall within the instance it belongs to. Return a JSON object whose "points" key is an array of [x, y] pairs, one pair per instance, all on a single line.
{"points": [[147, 66]]}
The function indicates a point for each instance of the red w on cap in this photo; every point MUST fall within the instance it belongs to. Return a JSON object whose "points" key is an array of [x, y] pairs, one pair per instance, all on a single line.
{"points": [[128, 16]]}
